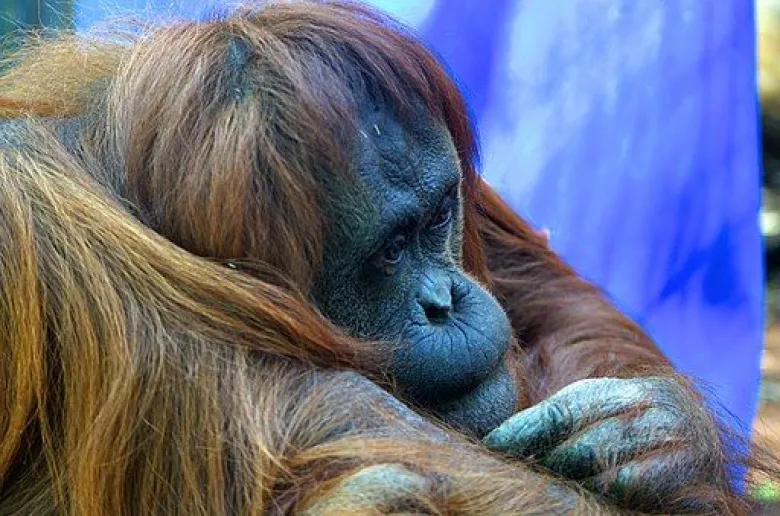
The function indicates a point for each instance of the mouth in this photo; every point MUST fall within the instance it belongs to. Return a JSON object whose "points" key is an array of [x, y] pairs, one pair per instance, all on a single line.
{"points": [[438, 365], [484, 408]]}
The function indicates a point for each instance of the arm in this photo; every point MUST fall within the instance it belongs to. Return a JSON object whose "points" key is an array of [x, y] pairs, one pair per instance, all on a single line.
{"points": [[384, 457]]}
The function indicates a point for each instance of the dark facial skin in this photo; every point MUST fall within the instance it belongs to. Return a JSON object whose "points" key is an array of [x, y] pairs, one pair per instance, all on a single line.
{"points": [[394, 274]]}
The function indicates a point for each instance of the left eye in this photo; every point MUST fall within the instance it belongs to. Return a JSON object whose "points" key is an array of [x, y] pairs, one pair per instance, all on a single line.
{"points": [[442, 218], [394, 252]]}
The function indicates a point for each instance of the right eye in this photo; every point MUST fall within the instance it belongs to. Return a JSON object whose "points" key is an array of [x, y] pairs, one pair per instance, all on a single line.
{"points": [[394, 252], [442, 218]]}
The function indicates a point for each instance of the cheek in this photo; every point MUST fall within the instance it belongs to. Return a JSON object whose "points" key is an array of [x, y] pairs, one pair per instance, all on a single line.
{"points": [[366, 305]]}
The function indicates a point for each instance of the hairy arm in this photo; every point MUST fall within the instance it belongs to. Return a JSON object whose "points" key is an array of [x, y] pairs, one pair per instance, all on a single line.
{"points": [[381, 456]]}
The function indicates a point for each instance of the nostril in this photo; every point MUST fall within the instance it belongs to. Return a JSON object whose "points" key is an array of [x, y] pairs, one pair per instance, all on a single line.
{"points": [[437, 314], [435, 296]]}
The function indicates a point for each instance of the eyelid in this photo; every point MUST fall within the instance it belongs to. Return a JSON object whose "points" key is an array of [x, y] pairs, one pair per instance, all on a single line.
{"points": [[400, 231], [448, 202], [449, 199], [434, 224]]}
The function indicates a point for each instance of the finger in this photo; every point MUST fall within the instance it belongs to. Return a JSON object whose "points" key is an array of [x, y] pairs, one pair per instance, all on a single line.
{"points": [[663, 478], [615, 441], [538, 428], [386, 488]]}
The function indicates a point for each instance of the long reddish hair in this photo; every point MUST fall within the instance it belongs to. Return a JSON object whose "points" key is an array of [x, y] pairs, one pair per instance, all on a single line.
{"points": [[142, 374], [139, 373]]}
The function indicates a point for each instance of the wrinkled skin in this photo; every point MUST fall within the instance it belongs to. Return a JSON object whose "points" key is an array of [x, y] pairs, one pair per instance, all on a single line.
{"points": [[393, 273], [606, 433]]}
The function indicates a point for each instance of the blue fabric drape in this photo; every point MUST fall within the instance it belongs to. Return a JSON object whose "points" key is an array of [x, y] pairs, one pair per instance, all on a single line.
{"points": [[629, 129]]}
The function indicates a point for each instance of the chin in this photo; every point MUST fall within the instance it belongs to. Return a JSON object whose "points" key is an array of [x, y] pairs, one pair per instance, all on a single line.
{"points": [[484, 408]]}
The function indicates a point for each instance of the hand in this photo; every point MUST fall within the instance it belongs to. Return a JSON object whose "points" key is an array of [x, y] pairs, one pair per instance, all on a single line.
{"points": [[380, 489], [639, 442]]}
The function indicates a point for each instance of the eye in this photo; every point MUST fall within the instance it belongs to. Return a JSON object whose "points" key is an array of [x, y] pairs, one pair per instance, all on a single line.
{"points": [[394, 251], [442, 217]]}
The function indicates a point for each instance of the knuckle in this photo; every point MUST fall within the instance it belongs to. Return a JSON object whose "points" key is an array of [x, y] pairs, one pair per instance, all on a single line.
{"points": [[560, 415]]}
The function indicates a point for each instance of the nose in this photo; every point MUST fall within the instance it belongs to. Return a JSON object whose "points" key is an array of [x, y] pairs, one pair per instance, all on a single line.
{"points": [[435, 296]]}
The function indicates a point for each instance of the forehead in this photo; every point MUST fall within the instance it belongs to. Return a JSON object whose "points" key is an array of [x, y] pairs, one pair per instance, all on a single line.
{"points": [[405, 163], [401, 171]]}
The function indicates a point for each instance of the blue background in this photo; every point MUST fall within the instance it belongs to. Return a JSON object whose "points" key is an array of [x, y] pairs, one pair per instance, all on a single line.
{"points": [[629, 128]]}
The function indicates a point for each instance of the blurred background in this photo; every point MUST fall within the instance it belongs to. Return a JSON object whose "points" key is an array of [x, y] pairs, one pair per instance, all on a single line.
{"points": [[768, 30], [644, 135]]}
